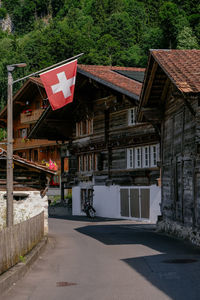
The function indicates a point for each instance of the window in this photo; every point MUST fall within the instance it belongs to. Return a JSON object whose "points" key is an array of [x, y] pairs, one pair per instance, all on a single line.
{"points": [[89, 126], [130, 158], [142, 157], [146, 156], [23, 132], [87, 162], [84, 127], [132, 116], [138, 157], [154, 155], [35, 155]]}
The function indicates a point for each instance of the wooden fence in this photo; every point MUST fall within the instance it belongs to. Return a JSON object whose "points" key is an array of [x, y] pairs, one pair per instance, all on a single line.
{"points": [[18, 240]]}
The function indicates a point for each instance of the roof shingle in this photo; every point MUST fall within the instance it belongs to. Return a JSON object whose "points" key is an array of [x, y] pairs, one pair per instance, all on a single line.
{"points": [[182, 67], [27, 162], [109, 74]]}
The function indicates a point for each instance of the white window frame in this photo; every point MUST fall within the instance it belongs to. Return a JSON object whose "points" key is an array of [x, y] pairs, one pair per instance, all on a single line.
{"points": [[143, 157], [154, 155], [146, 156], [138, 157], [130, 158]]}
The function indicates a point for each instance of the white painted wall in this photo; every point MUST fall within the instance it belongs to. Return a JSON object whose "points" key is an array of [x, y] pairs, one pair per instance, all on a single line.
{"points": [[155, 202], [106, 201], [76, 201]]}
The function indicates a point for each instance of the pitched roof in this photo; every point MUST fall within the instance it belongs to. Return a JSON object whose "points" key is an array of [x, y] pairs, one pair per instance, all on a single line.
{"points": [[27, 163], [126, 80], [128, 83], [182, 67], [110, 76]]}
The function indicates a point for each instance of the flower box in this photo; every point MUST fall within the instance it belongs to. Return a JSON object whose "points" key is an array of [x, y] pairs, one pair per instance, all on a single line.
{"points": [[27, 112]]}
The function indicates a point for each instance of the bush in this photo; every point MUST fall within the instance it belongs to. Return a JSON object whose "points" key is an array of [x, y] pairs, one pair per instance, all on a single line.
{"points": [[3, 12]]}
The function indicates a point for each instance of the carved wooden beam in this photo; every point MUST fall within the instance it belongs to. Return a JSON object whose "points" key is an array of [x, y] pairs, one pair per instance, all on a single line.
{"points": [[165, 89], [150, 82]]}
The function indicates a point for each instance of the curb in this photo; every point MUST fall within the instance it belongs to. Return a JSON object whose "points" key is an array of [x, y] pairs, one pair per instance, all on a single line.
{"points": [[10, 277]]}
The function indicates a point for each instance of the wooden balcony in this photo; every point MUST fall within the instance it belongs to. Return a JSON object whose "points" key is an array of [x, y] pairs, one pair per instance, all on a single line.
{"points": [[20, 143], [31, 117]]}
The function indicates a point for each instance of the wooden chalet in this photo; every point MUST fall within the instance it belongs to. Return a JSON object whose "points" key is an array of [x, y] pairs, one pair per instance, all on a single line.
{"points": [[27, 175], [170, 100], [28, 105], [112, 158]]}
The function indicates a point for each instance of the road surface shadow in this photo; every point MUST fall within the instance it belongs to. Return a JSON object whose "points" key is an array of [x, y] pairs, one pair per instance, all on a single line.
{"points": [[180, 281], [85, 219], [144, 234]]}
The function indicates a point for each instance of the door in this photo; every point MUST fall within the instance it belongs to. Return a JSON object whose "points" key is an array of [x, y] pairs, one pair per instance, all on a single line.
{"points": [[134, 203], [145, 203], [124, 202]]}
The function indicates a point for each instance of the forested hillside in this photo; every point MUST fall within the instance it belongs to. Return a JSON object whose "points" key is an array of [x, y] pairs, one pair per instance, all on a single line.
{"points": [[109, 32]]}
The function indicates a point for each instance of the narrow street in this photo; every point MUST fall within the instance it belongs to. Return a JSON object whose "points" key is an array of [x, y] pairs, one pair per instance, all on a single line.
{"points": [[110, 260]]}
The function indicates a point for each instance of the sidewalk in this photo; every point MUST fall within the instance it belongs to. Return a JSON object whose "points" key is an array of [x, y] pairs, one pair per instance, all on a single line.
{"points": [[10, 277]]}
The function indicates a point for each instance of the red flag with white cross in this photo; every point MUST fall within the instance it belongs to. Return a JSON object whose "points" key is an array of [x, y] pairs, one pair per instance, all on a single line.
{"points": [[59, 84]]}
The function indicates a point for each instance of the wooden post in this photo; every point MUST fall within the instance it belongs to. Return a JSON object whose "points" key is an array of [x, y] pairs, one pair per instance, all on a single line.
{"points": [[62, 183], [9, 220], [9, 211]]}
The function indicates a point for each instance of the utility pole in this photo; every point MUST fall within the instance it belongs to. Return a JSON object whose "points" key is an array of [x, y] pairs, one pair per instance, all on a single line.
{"points": [[9, 218], [10, 69], [9, 213]]}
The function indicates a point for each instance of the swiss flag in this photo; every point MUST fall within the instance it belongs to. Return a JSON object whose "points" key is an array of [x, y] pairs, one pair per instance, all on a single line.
{"points": [[59, 84]]}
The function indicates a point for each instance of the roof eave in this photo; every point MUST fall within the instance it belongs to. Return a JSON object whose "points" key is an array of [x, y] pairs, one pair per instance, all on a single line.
{"points": [[41, 118], [34, 167], [108, 84]]}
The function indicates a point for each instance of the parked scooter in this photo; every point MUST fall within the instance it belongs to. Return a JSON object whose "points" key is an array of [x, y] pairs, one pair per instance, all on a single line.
{"points": [[89, 210]]}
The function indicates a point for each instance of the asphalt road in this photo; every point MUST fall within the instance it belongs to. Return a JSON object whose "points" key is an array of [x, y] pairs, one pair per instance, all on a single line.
{"points": [[110, 260]]}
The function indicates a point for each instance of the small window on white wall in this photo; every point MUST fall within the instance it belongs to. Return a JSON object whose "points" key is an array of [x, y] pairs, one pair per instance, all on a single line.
{"points": [[131, 116]]}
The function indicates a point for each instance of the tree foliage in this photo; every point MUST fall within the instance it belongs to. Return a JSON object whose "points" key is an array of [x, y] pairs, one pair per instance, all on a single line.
{"points": [[109, 32]]}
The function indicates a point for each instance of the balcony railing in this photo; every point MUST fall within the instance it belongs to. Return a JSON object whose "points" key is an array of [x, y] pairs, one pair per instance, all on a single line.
{"points": [[20, 143], [31, 116]]}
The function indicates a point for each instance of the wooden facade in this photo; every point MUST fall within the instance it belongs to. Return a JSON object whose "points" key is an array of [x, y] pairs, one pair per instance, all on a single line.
{"points": [[104, 144], [28, 105], [26, 175], [170, 100]]}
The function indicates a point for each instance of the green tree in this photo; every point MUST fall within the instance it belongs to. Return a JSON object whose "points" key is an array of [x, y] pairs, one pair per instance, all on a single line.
{"points": [[186, 39], [172, 20], [119, 23]]}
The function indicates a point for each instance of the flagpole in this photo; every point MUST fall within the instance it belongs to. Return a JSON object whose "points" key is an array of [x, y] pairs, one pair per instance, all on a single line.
{"points": [[48, 68]]}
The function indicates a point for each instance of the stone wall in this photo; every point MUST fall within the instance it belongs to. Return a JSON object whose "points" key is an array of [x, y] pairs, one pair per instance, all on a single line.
{"points": [[179, 230], [31, 206]]}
